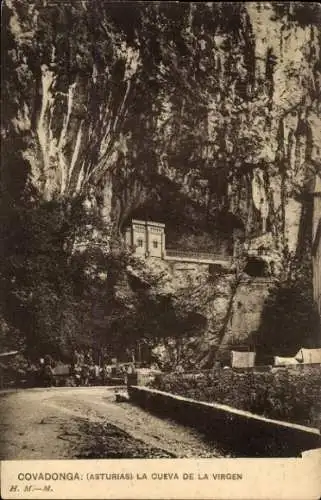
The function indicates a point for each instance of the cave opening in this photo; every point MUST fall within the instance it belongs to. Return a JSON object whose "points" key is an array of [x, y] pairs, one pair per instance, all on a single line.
{"points": [[257, 268], [188, 225]]}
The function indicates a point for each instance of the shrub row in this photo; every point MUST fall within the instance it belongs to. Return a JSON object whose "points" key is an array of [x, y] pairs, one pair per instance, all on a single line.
{"points": [[284, 393]]}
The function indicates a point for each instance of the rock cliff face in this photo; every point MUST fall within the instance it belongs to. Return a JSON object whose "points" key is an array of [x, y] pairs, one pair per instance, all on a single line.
{"points": [[287, 55], [211, 109], [220, 100]]}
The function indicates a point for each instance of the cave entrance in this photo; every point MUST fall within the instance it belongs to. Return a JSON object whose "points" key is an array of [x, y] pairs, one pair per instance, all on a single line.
{"points": [[256, 267], [187, 225]]}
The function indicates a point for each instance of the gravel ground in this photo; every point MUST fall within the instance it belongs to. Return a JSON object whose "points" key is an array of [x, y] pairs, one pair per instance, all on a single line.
{"points": [[69, 423]]}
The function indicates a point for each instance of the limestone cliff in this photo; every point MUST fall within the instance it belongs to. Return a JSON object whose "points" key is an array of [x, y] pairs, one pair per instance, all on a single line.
{"points": [[220, 99], [207, 112]]}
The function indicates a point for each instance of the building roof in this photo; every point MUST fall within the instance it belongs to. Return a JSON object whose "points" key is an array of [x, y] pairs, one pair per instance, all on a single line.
{"points": [[148, 223]]}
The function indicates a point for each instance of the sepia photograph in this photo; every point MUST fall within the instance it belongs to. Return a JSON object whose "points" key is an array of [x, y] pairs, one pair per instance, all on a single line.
{"points": [[160, 231]]}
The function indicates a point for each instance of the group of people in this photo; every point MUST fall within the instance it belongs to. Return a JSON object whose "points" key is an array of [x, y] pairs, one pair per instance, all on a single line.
{"points": [[88, 372], [46, 372], [84, 370], [82, 367]]}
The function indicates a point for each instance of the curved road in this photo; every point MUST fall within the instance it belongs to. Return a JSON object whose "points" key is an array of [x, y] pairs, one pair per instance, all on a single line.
{"points": [[87, 422]]}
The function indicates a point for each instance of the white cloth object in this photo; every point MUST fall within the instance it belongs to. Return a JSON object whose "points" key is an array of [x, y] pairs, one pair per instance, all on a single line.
{"points": [[243, 359], [282, 361], [309, 355]]}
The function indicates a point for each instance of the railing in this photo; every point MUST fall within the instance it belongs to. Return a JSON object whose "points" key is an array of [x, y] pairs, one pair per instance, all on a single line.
{"points": [[191, 254]]}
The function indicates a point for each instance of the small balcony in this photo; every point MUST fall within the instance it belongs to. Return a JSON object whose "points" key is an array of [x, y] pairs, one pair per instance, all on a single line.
{"points": [[194, 256]]}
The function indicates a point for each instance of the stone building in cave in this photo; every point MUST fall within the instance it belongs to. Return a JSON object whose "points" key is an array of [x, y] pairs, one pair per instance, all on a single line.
{"points": [[147, 238]]}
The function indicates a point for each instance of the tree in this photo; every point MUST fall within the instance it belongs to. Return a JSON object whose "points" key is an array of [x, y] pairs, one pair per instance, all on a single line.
{"points": [[289, 319], [39, 275]]}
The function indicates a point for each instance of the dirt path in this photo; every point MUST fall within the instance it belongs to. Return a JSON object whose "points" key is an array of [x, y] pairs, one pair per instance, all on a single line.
{"points": [[87, 423]]}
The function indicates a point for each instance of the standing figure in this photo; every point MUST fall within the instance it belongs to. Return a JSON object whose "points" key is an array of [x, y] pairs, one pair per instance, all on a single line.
{"points": [[47, 372], [85, 372]]}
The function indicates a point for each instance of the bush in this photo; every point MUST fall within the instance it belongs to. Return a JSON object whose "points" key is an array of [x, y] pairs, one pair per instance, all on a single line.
{"points": [[285, 394]]}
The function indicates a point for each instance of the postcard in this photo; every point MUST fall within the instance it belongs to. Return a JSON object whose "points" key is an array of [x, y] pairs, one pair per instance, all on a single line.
{"points": [[160, 321]]}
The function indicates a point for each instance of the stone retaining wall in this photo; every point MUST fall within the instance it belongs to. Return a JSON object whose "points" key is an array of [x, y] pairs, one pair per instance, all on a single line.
{"points": [[244, 433]]}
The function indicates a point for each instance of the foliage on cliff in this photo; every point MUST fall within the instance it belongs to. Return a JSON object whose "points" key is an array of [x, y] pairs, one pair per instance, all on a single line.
{"points": [[65, 286], [38, 277]]}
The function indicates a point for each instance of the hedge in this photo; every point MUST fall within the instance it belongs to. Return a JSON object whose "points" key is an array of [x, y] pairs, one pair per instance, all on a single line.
{"points": [[291, 394]]}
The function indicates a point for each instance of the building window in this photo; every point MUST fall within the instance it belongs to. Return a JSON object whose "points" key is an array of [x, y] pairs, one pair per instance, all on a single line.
{"points": [[139, 243], [155, 244]]}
